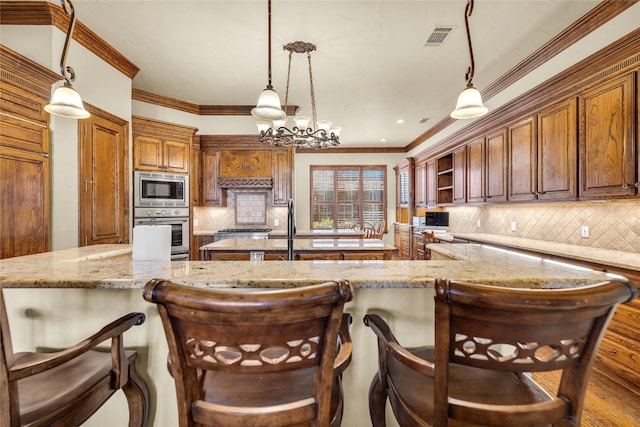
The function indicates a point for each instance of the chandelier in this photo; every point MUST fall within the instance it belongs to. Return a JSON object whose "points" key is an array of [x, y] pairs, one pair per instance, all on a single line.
{"points": [[273, 121], [469, 103]]}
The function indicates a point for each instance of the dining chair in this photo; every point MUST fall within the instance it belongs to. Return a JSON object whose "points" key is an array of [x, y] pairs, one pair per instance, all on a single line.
{"points": [[66, 387], [267, 358], [488, 340], [428, 237]]}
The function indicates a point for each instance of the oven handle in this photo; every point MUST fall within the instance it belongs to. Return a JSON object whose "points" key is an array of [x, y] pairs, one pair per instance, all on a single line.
{"points": [[160, 221]]}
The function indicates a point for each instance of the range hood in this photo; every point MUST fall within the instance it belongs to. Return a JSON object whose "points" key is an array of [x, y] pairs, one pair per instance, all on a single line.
{"points": [[248, 182]]}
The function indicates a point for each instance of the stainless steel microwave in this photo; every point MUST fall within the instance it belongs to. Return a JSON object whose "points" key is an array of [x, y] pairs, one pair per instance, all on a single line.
{"points": [[160, 189]]}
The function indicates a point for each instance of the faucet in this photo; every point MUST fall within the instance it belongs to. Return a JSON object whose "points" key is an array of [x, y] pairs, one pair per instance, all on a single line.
{"points": [[291, 229]]}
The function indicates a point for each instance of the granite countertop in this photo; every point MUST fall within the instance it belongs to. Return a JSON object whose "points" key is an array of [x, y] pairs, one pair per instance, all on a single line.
{"points": [[322, 233], [103, 266], [625, 260], [268, 245]]}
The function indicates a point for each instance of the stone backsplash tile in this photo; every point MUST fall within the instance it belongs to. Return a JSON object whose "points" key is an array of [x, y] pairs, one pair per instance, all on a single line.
{"points": [[612, 224]]}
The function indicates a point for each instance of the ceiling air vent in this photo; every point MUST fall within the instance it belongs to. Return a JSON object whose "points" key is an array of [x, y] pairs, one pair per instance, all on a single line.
{"points": [[439, 35]]}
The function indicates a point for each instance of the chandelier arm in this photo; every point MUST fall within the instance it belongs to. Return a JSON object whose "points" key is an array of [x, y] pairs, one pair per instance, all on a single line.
{"points": [[67, 71], [470, 71], [313, 96]]}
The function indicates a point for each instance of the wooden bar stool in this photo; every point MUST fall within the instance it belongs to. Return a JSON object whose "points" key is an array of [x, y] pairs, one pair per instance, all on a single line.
{"points": [[486, 341], [67, 387], [267, 358]]}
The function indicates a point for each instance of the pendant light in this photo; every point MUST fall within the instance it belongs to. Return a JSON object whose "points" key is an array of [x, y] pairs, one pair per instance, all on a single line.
{"points": [[469, 103], [268, 107], [66, 102]]}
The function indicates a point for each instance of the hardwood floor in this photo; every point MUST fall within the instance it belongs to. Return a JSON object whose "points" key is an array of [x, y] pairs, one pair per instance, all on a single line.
{"points": [[607, 404]]}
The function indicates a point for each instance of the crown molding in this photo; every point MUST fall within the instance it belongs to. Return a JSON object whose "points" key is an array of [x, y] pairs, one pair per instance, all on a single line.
{"points": [[45, 13], [596, 17]]}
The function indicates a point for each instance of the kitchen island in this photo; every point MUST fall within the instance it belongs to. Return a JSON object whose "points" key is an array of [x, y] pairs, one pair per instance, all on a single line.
{"points": [[55, 299], [303, 249]]}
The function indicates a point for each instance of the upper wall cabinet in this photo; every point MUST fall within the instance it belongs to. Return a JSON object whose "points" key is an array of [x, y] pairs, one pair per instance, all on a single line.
{"points": [[160, 146], [459, 175], [496, 166], [432, 183], [420, 177], [282, 173], [607, 155], [523, 161], [476, 171], [557, 148]]}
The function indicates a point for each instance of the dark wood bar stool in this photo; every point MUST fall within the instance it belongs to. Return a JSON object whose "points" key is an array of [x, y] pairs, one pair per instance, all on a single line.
{"points": [[65, 388], [487, 340], [245, 358]]}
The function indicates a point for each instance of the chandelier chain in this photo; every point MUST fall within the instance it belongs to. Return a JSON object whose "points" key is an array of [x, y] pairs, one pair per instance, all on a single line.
{"points": [[313, 96]]}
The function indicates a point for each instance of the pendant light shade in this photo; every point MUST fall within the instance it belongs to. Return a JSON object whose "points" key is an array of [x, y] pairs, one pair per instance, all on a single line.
{"points": [[268, 107], [469, 104], [66, 102]]}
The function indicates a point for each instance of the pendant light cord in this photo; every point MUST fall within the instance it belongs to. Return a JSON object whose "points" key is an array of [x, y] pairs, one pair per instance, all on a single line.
{"points": [[269, 86], [67, 71], [467, 13]]}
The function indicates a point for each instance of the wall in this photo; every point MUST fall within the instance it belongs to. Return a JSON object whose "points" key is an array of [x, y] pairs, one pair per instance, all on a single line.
{"points": [[613, 224]]}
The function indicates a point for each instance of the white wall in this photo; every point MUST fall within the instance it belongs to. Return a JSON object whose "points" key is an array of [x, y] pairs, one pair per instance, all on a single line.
{"points": [[99, 84]]}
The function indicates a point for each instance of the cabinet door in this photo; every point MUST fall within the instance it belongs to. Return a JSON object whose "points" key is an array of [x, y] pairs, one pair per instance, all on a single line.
{"points": [[557, 151], [421, 184], [147, 153], [459, 173], [282, 174], [496, 166], [212, 195], [24, 200], [432, 183], [607, 155], [523, 173], [175, 157], [475, 171]]}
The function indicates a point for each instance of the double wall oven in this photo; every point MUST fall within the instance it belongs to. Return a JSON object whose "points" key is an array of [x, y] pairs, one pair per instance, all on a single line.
{"points": [[163, 199]]}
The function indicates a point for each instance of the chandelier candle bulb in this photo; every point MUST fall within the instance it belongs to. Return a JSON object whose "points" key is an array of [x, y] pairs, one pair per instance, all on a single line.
{"points": [[302, 123]]}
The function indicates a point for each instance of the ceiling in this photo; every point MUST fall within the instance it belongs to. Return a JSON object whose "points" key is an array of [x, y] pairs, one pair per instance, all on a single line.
{"points": [[371, 67]]}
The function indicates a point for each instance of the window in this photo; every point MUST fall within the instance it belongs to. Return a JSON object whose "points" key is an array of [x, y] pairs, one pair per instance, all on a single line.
{"points": [[342, 196]]}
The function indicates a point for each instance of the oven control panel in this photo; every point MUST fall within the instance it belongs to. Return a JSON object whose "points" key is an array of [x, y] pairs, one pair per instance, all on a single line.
{"points": [[167, 212]]}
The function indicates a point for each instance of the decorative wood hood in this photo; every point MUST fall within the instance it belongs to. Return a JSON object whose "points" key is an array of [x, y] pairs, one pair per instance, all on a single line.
{"points": [[248, 182]]}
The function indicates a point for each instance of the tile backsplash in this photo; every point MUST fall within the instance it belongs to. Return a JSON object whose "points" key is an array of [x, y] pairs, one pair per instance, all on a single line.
{"points": [[612, 224], [251, 208], [211, 219]]}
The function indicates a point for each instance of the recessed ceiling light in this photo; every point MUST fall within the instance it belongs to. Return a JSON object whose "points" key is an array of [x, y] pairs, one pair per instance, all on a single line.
{"points": [[383, 140], [400, 121]]}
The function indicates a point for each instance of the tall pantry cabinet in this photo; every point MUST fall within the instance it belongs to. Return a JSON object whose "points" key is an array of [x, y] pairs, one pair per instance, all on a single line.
{"points": [[25, 88]]}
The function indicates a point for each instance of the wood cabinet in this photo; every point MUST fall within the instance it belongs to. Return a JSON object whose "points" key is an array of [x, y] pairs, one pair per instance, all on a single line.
{"points": [[432, 183], [557, 148], [607, 155], [282, 174], [417, 244], [459, 175], [444, 179], [476, 171], [211, 193], [160, 146], [523, 161], [420, 179], [496, 170], [618, 357], [25, 88], [402, 240]]}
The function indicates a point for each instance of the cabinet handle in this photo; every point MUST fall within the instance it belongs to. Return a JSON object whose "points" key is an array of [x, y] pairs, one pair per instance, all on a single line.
{"points": [[637, 185], [85, 184], [625, 186], [609, 351]]}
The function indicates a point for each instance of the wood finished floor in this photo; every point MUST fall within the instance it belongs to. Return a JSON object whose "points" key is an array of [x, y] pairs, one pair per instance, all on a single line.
{"points": [[607, 404]]}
